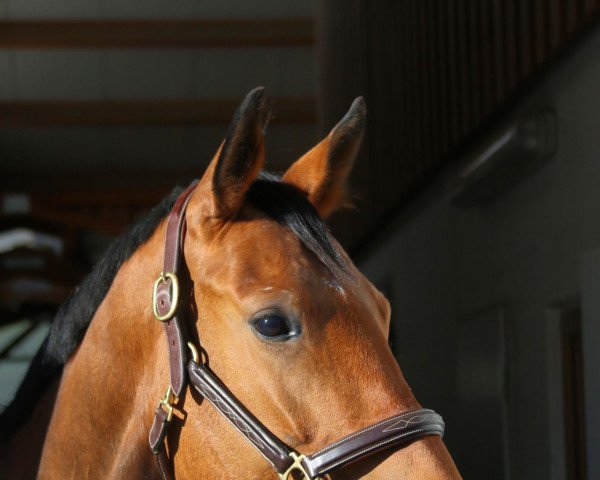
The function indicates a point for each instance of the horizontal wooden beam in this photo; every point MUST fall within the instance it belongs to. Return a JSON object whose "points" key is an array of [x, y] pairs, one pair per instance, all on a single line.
{"points": [[289, 110], [48, 180], [50, 294], [109, 211], [217, 33]]}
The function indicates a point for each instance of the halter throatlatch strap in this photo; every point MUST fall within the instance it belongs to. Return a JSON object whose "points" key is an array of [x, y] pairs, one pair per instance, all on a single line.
{"points": [[394, 431]]}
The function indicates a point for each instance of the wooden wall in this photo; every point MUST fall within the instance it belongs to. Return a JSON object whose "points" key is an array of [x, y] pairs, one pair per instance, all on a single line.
{"points": [[106, 105], [433, 73]]}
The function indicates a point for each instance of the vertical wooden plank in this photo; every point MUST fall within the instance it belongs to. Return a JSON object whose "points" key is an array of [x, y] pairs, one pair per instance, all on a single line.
{"points": [[395, 47], [529, 25], [404, 65], [522, 39], [486, 39], [464, 84], [539, 25], [573, 393], [405, 56], [590, 6], [416, 81], [421, 91], [554, 7], [498, 51], [570, 7], [431, 138], [563, 13], [580, 13], [443, 54], [405, 117], [510, 43], [474, 29], [415, 137], [453, 71]]}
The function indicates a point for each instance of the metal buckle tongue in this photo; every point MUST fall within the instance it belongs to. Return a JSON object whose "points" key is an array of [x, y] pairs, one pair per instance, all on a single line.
{"points": [[296, 466], [166, 403]]}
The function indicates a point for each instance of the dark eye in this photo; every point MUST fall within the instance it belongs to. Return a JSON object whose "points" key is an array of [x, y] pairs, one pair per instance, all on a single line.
{"points": [[272, 326]]}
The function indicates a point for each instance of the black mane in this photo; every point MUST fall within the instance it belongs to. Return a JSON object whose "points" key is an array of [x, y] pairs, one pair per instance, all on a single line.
{"points": [[282, 202], [75, 315]]}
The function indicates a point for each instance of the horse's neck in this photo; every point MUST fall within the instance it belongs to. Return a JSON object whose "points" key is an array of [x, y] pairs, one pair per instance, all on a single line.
{"points": [[107, 393]]}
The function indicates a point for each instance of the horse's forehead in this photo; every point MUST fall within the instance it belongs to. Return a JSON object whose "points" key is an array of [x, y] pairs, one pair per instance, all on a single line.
{"points": [[261, 241], [257, 257], [259, 252]]}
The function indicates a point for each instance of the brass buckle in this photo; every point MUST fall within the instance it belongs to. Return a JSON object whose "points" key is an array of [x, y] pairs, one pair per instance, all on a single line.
{"points": [[164, 276], [296, 466], [166, 403], [194, 350]]}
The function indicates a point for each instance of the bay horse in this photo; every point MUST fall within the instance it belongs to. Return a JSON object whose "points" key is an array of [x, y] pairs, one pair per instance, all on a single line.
{"points": [[288, 341]]}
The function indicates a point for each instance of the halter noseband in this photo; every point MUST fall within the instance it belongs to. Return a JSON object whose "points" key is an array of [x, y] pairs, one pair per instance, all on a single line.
{"points": [[394, 431]]}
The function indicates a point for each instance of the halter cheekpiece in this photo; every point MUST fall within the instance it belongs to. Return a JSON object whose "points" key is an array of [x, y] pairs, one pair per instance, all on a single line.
{"points": [[396, 431]]}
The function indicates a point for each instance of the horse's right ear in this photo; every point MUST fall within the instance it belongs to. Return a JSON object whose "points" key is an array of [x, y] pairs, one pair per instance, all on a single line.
{"points": [[239, 159]]}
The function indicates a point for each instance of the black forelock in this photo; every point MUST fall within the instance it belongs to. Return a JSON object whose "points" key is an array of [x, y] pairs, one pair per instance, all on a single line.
{"points": [[289, 207]]}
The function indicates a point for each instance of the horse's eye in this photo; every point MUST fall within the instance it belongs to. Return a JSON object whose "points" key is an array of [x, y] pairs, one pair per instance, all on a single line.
{"points": [[272, 326]]}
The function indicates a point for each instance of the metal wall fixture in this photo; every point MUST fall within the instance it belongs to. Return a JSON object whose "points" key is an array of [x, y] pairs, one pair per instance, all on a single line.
{"points": [[505, 160]]}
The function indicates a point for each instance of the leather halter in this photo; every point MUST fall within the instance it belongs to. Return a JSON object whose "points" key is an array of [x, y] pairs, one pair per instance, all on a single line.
{"points": [[394, 431]]}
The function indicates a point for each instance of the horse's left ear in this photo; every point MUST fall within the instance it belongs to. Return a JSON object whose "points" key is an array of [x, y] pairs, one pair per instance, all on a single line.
{"points": [[322, 173], [239, 159]]}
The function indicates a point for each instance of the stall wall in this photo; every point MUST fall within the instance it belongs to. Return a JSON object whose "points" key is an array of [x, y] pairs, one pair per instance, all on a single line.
{"points": [[523, 254]]}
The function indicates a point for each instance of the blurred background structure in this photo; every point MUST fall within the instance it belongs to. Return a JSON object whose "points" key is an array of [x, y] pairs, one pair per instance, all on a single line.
{"points": [[477, 191]]}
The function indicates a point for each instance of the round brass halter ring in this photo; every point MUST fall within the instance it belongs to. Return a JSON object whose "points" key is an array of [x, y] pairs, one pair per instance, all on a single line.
{"points": [[175, 295]]}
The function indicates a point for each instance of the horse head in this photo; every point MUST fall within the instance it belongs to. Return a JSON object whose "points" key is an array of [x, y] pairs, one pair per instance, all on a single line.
{"points": [[284, 318], [287, 321]]}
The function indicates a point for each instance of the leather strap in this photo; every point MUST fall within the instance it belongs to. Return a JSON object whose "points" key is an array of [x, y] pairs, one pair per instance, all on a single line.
{"points": [[157, 440], [159, 430], [174, 328], [397, 430], [394, 431], [164, 467], [210, 387], [165, 305], [158, 433]]}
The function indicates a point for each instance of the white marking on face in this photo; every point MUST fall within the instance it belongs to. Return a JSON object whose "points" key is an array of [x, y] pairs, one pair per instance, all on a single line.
{"points": [[335, 285], [266, 289]]}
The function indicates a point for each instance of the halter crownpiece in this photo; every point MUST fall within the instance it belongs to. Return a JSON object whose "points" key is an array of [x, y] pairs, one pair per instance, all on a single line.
{"points": [[396, 431]]}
